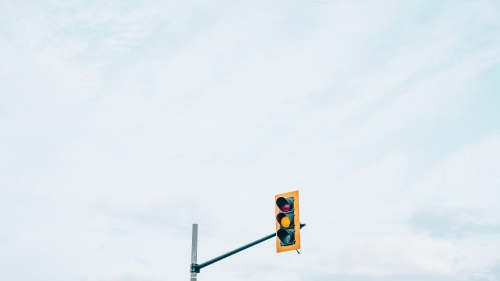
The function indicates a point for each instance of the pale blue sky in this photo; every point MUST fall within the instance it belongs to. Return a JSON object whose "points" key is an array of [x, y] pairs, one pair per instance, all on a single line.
{"points": [[122, 123]]}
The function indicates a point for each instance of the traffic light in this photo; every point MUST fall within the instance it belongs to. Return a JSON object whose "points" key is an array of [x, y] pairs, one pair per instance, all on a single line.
{"points": [[287, 221]]}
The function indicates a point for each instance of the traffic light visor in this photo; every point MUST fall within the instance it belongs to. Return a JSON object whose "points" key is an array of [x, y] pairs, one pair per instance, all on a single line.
{"points": [[285, 204]]}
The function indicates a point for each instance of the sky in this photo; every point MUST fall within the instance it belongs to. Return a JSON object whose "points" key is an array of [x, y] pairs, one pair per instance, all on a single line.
{"points": [[122, 123]]}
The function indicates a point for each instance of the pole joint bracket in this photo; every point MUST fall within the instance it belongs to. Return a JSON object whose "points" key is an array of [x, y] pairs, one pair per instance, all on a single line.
{"points": [[195, 268]]}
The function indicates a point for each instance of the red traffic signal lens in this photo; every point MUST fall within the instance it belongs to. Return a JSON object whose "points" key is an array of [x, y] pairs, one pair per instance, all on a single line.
{"points": [[285, 205], [285, 208]]}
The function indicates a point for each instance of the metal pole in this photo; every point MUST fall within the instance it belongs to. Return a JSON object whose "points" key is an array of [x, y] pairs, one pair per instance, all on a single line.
{"points": [[197, 267], [194, 250], [200, 266]]}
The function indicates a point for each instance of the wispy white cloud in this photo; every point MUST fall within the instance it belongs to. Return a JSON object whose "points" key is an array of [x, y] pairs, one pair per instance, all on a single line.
{"points": [[467, 178]]}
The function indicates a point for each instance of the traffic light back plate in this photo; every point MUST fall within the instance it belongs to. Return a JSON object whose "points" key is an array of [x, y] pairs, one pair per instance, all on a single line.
{"points": [[296, 221]]}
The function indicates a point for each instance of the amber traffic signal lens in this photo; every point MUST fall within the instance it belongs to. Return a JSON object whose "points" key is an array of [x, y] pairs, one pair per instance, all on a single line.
{"points": [[285, 222]]}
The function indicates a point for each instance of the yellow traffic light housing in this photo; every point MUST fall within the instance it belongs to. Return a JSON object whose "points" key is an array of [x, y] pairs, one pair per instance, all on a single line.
{"points": [[287, 221]]}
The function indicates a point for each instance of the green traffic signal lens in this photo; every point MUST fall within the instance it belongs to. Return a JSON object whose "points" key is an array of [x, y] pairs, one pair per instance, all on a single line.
{"points": [[285, 236]]}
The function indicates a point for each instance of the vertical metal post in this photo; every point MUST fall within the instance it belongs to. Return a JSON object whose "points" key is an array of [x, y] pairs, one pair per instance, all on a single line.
{"points": [[194, 250]]}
